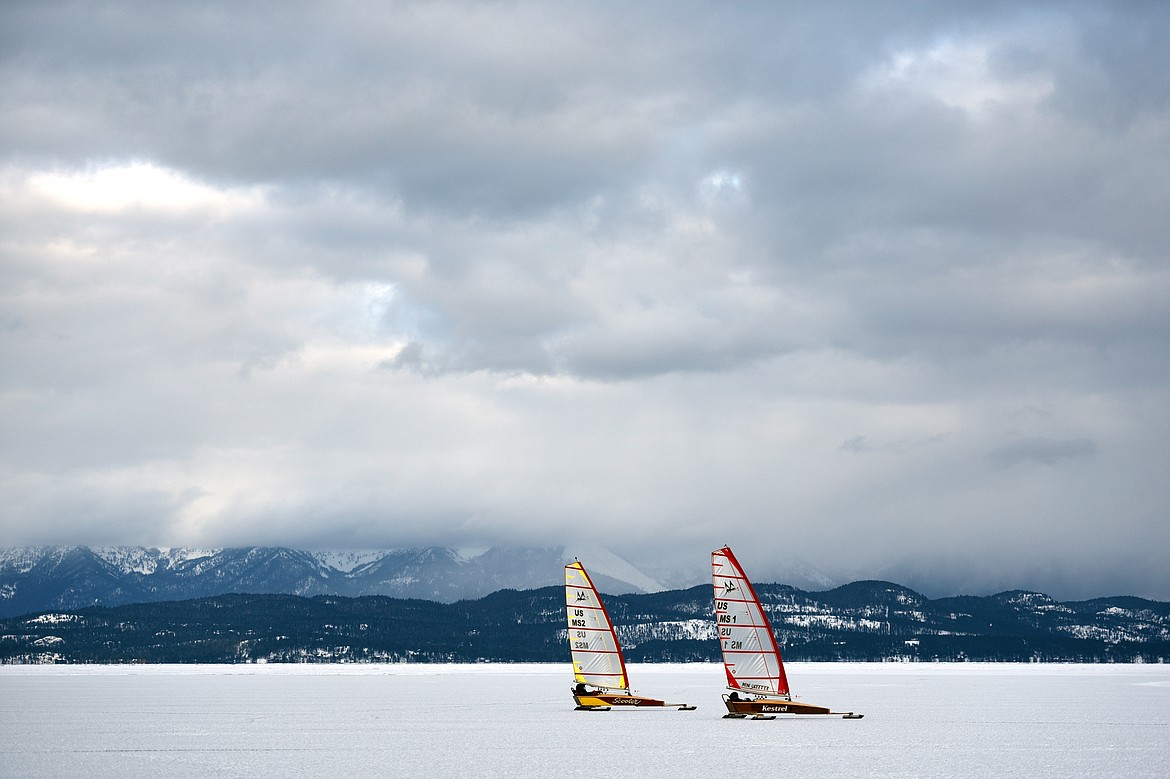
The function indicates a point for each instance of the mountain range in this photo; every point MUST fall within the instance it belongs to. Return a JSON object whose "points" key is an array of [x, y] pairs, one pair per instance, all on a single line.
{"points": [[61, 577], [274, 604], [868, 620]]}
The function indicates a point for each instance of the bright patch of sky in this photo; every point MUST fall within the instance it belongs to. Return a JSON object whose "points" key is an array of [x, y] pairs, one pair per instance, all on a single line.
{"points": [[138, 186], [960, 74]]}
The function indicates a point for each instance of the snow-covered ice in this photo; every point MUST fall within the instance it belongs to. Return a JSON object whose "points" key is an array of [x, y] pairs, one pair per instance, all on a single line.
{"points": [[517, 720]]}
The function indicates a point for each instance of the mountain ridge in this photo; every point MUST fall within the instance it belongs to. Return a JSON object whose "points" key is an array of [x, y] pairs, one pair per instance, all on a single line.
{"points": [[862, 621], [39, 578]]}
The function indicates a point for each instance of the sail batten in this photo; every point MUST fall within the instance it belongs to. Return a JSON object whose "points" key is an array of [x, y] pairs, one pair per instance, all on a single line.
{"points": [[597, 656], [751, 656]]}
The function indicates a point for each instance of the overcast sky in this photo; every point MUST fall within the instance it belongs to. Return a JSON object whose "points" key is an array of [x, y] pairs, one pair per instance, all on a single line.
{"points": [[876, 289]]}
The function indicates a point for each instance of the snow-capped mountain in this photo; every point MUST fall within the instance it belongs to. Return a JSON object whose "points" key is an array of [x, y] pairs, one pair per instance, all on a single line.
{"points": [[37, 578]]}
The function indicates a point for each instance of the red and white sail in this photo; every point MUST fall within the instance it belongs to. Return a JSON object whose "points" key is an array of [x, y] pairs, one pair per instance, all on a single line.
{"points": [[751, 656], [597, 657]]}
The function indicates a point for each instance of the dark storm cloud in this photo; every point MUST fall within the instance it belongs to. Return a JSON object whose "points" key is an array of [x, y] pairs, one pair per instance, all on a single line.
{"points": [[880, 286], [453, 106]]}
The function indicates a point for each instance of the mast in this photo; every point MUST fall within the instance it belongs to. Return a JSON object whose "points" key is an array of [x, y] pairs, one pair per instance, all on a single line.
{"points": [[751, 656], [597, 656]]}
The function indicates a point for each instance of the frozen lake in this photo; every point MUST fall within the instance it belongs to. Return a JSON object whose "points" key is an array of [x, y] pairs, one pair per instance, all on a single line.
{"points": [[504, 720]]}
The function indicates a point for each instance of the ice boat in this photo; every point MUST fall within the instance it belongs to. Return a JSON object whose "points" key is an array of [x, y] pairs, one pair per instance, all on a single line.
{"points": [[751, 657], [597, 655]]}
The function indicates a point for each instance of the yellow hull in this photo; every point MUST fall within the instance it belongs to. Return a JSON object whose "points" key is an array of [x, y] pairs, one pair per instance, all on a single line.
{"points": [[600, 701]]}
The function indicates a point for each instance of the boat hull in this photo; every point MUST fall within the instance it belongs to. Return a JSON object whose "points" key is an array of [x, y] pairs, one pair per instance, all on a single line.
{"points": [[766, 707], [605, 701]]}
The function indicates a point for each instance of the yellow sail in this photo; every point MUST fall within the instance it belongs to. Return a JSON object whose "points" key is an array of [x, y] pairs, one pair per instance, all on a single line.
{"points": [[597, 657]]}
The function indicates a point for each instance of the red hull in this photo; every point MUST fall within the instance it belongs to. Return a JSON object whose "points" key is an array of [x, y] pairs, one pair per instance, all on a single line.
{"points": [[771, 706]]}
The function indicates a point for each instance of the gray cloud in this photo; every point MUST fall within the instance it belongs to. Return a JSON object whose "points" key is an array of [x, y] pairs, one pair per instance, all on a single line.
{"points": [[1040, 450], [881, 288]]}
